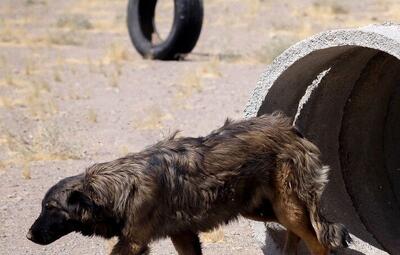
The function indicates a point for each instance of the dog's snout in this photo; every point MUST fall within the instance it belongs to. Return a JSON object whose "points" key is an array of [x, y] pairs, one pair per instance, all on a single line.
{"points": [[29, 235]]}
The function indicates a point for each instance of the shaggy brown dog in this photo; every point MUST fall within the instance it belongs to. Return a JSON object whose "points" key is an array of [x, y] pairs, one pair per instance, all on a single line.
{"points": [[260, 168]]}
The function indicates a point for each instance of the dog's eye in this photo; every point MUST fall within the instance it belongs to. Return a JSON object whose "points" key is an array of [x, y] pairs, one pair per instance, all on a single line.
{"points": [[49, 206]]}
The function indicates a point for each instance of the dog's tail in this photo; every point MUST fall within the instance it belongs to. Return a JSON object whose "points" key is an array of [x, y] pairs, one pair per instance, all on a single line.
{"points": [[308, 181], [332, 235]]}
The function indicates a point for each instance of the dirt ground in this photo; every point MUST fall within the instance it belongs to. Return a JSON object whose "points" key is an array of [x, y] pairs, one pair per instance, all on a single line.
{"points": [[73, 91]]}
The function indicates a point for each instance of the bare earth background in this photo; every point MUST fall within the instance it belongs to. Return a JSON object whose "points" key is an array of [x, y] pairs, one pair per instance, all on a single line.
{"points": [[73, 91]]}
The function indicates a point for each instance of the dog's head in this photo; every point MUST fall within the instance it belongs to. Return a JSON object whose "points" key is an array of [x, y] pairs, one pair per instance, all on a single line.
{"points": [[64, 207]]}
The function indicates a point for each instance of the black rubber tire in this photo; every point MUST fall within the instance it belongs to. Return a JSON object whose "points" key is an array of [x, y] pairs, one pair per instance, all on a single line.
{"points": [[185, 30]]}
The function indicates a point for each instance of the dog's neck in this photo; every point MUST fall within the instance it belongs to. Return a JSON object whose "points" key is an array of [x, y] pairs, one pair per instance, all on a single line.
{"points": [[107, 185], [103, 224]]}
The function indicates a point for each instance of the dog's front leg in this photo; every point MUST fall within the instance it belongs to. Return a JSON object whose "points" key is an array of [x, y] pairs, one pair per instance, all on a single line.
{"points": [[186, 243], [124, 247]]}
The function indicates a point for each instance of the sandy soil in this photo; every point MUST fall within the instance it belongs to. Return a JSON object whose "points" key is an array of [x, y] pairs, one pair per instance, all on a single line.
{"points": [[73, 92]]}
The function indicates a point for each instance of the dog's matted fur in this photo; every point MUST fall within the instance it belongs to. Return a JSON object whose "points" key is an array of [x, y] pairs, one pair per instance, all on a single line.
{"points": [[260, 168]]}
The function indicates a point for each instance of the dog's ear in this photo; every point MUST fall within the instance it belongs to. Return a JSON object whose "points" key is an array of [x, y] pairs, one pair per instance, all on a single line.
{"points": [[80, 204]]}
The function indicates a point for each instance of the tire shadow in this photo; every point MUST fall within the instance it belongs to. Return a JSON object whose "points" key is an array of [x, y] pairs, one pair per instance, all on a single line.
{"points": [[204, 56]]}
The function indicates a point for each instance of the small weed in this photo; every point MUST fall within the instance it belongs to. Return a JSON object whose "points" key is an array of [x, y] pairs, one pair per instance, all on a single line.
{"points": [[92, 116], [116, 53], [329, 7], [3, 165], [73, 70], [57, 75], [153, 120], [191, 82], [76, 21], [39, 101], [9, 78], [65, 38], [3, 61], [6, 102], [72, 95], [45, 143], [9, 35], [211, 69], [26, 171], [92, 66], [253, 7], [30, 67], [118, 68], [34, 2], [102, 68], [113, 79], [274, 47], [124, 150]]}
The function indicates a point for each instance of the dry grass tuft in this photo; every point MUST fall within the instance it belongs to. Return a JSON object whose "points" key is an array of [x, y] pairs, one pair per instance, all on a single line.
{"points": [[7, 72], [211, 69], [274, 47], [116, 53], [153, 119], [26, 171], [215, 236], [73, 95], [9, 78], [40, 101], [92, 66], [113, 79], [70, 38], [36, 2], [74, 21], [2, 166], [10, 35], [92, 116], [8, 103], [57, 75], [30, 67], [328, 12], [45, 143], [123, 150], [253, 7], [190, 83], [5, 102], [329, 7], [115, 57]]}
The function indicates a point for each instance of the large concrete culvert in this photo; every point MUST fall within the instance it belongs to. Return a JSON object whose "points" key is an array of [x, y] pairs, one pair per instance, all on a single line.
{"points": [[343, 90]]}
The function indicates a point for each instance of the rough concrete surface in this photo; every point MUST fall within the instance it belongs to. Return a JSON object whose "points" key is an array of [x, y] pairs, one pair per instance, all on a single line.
{"points": [[342, 87]]}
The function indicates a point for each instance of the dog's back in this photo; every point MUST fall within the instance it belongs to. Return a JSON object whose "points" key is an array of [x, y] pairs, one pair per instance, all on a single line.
{"points": [[210, 180]]}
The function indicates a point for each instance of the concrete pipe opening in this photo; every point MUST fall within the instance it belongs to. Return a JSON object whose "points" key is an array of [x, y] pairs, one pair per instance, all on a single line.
{"points": [[342, 89]]}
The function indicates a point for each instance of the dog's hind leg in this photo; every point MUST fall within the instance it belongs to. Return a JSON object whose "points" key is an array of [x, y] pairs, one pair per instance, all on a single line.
{"points": [[292, 241], [186, 243], [293, 215], [265, 213]]}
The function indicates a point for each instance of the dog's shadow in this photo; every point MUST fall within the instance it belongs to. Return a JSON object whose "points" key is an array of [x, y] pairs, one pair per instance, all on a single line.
{"points": [[349, 251], [278, 235]]}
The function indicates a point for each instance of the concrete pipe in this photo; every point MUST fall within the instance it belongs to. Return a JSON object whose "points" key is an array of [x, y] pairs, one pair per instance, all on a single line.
{"points": [[342, 89]]}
